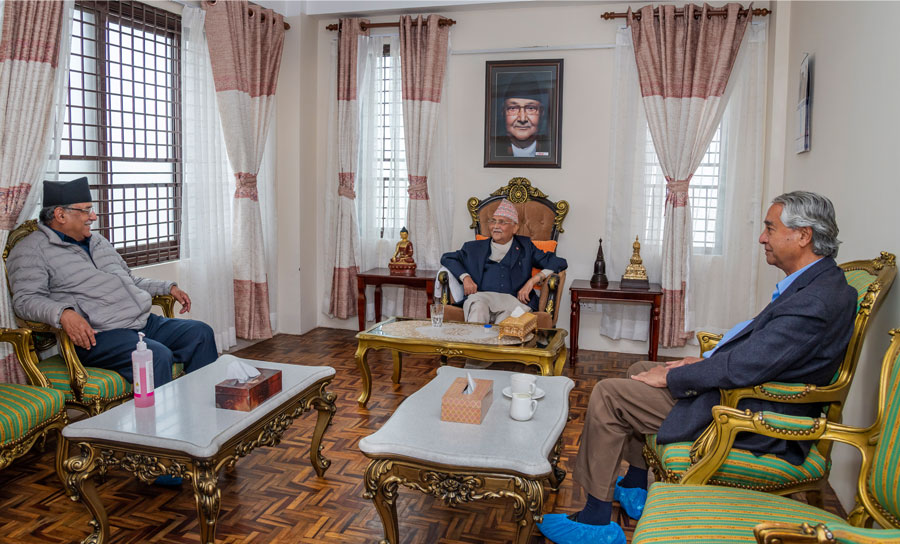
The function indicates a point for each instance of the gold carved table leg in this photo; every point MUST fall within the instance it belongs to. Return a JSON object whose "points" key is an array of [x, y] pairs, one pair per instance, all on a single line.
{"points": [[79, 485], [560, 361], [398, 365], [324, 403], [384, 476], [207, 496], [365, 373]]}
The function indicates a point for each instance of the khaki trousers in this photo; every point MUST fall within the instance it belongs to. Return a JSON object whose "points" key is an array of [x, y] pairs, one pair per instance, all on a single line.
{"points": [[490, 307], [620, 412]]}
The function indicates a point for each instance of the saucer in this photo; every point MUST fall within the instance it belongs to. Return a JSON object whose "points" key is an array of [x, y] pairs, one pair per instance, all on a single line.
{"points": [[538, 393]]}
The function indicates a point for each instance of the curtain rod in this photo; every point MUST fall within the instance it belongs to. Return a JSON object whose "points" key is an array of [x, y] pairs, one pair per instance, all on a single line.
{"points": [[250, 10], [712, 12], [366, 26]]}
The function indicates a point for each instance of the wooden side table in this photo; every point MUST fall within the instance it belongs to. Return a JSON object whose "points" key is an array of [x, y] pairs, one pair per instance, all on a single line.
{"points": [[581, 289], [423, 279]]}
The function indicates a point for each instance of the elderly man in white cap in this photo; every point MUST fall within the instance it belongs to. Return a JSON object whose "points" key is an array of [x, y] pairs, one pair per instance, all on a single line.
{"points": [[496, 272]]}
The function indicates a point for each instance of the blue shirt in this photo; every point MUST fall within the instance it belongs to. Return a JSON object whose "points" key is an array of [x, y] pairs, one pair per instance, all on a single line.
{"points": [[780, 288], [83, 244]]}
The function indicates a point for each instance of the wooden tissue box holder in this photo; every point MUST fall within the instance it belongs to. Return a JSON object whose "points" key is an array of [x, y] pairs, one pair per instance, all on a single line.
{"points": [[518, 327], [234, 395], [462, 408]]}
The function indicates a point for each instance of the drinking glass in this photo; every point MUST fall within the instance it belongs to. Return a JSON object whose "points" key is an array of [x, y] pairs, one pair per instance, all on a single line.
{"points": [[437, 315]]}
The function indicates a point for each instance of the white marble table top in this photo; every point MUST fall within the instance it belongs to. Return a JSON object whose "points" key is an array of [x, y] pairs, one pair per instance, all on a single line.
{"points": [[185, 418], [416, 431]]}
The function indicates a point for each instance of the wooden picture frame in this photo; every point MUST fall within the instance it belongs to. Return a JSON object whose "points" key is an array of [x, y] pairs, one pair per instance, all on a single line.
{"points": [[530, 136]]}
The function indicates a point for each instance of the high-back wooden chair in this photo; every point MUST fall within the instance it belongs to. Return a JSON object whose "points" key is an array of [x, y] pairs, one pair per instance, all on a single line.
{"points": [[872, 280], [541, 219], [693, 512], [90, 390]]}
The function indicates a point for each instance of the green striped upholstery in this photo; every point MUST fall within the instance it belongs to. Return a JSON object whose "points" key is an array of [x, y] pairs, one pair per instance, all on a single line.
{"points": [[787, 423], [743, 469], [24, 407], [712, 514], [848, 534], [859, 280], [101, 383], [883, 477]]}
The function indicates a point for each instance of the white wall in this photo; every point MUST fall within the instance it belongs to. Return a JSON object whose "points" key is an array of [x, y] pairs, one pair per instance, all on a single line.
{"points": [[852, 160]]}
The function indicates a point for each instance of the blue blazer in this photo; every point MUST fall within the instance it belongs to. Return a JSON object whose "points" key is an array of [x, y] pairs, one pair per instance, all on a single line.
{"points": [[523, 255], [799, 337]]}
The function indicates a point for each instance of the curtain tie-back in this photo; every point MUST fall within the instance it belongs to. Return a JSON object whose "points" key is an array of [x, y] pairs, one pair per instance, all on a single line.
{"points": [[346, 182], [12, 200], [677, 191], [418, 187], [246, 186]]}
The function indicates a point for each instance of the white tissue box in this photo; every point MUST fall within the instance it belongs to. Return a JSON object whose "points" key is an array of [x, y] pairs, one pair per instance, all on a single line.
{"points": [[245, 396]]}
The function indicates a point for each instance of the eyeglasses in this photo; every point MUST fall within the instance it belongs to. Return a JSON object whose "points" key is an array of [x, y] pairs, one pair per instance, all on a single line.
{"points": [[499, 222], [86, 211], [530, 109]]}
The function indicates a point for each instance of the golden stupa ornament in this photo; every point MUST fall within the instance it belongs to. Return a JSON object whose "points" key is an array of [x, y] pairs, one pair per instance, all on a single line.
{"points": [[635, 276]]}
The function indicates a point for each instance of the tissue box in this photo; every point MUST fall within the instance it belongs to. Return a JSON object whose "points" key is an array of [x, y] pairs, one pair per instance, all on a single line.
{"points": [[234, 395], [518, 326], [462, 408]]}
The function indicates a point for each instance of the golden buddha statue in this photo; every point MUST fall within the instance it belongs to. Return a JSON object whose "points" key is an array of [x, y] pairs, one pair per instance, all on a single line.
{"points": [[635, 276], [402, 263]]}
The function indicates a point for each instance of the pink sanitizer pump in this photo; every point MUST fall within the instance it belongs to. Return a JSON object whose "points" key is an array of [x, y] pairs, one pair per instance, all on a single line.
{"points": [[142, 366]]}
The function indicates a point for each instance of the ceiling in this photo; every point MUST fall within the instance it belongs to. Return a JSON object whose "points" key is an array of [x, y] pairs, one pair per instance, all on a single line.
{"points": [[332, 8]]}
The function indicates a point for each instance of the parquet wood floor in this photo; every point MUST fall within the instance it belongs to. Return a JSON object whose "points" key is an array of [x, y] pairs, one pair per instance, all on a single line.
{"points": [[273, 495]]}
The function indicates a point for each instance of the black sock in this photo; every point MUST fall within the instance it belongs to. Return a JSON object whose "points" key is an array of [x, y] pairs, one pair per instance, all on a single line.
{"points": [[595, 512], [635, 477]]}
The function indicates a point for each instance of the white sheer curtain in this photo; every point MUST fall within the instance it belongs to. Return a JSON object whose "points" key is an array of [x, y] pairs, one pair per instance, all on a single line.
{"points": [[716, 278], [378, 239], [265, 181], [205, 270]]}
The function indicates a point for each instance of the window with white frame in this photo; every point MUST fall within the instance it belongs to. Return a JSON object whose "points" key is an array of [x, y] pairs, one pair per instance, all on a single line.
{"points": [[391, 196], [123, 124], [706, 193]]}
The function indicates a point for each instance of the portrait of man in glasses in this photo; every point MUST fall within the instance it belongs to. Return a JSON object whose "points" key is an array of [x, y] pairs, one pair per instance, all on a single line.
{"points": [[522, 117]]}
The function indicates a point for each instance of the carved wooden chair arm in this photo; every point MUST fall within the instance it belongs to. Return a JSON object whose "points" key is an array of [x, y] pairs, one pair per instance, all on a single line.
{"points": [[791, 533], [711, 451], [24, 349], [77, 373], [708, 340], [167, 303], [788, 393]]}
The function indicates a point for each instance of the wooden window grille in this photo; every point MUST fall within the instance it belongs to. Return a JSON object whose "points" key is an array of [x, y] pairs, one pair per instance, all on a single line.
{"points": [[123, 124]]}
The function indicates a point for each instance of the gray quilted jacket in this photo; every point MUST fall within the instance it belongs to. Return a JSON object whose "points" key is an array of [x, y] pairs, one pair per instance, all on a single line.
{"points": [[48, 275]]}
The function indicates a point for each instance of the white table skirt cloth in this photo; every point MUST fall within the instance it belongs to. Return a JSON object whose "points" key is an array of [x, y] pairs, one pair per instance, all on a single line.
{"points": [[185, 418], [416, 431]]}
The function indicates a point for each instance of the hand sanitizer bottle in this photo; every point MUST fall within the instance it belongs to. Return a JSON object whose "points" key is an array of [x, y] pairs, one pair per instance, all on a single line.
{"points": [[142, 366]]}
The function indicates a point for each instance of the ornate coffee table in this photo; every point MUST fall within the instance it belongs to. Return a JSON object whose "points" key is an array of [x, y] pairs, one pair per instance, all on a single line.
{"points": [[185, 435], [546, 349], [459, 462]]}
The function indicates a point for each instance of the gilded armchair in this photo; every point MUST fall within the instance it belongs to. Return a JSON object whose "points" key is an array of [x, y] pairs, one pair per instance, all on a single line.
{"points": [[872, 280], [692, 512], [90, 390], [540, 219]]}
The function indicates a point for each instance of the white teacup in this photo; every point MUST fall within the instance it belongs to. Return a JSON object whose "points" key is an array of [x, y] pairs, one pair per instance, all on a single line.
{"points": [[522, 406], [523, 383]]}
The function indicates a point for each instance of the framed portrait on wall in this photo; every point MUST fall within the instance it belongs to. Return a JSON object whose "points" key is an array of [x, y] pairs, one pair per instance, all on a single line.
{"points": [[523, 113]]}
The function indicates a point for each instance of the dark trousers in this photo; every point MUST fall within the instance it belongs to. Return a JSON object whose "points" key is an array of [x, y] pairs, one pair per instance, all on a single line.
{"points": [[184, 341]]}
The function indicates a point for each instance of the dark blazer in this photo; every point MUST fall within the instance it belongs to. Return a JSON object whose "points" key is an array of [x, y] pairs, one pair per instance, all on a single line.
{"points": [[800, 337], [522, 257], [503, 147]]}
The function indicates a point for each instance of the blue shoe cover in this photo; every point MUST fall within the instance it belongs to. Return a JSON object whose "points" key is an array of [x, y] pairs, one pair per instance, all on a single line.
{"points": [[168, 481], [632, 499], [561, 530]]}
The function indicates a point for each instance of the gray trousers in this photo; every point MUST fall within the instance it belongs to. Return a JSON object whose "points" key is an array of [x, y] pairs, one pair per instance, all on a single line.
{"points": [[490, 307], [621, 411]]}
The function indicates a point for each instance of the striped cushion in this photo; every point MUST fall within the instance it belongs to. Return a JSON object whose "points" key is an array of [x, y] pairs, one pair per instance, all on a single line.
{"points": [[743, 469], [702, 514], [24, 407], [848, 534], [859, 280], [100, 382], [883, 478]]}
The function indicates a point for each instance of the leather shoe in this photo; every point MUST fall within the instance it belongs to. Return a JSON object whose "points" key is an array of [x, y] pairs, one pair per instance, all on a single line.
{"points": [[632, 499], [562, 530]]}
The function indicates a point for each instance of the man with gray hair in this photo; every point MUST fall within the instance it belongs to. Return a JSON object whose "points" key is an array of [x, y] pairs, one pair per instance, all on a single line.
{"points": [[800, 337], [65, 276]]}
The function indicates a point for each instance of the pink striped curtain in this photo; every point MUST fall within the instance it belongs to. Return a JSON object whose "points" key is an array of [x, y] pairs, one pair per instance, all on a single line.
{"points": [[683, 64], [423, 62], [346, 265], [29, 55], [245, 45]]}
